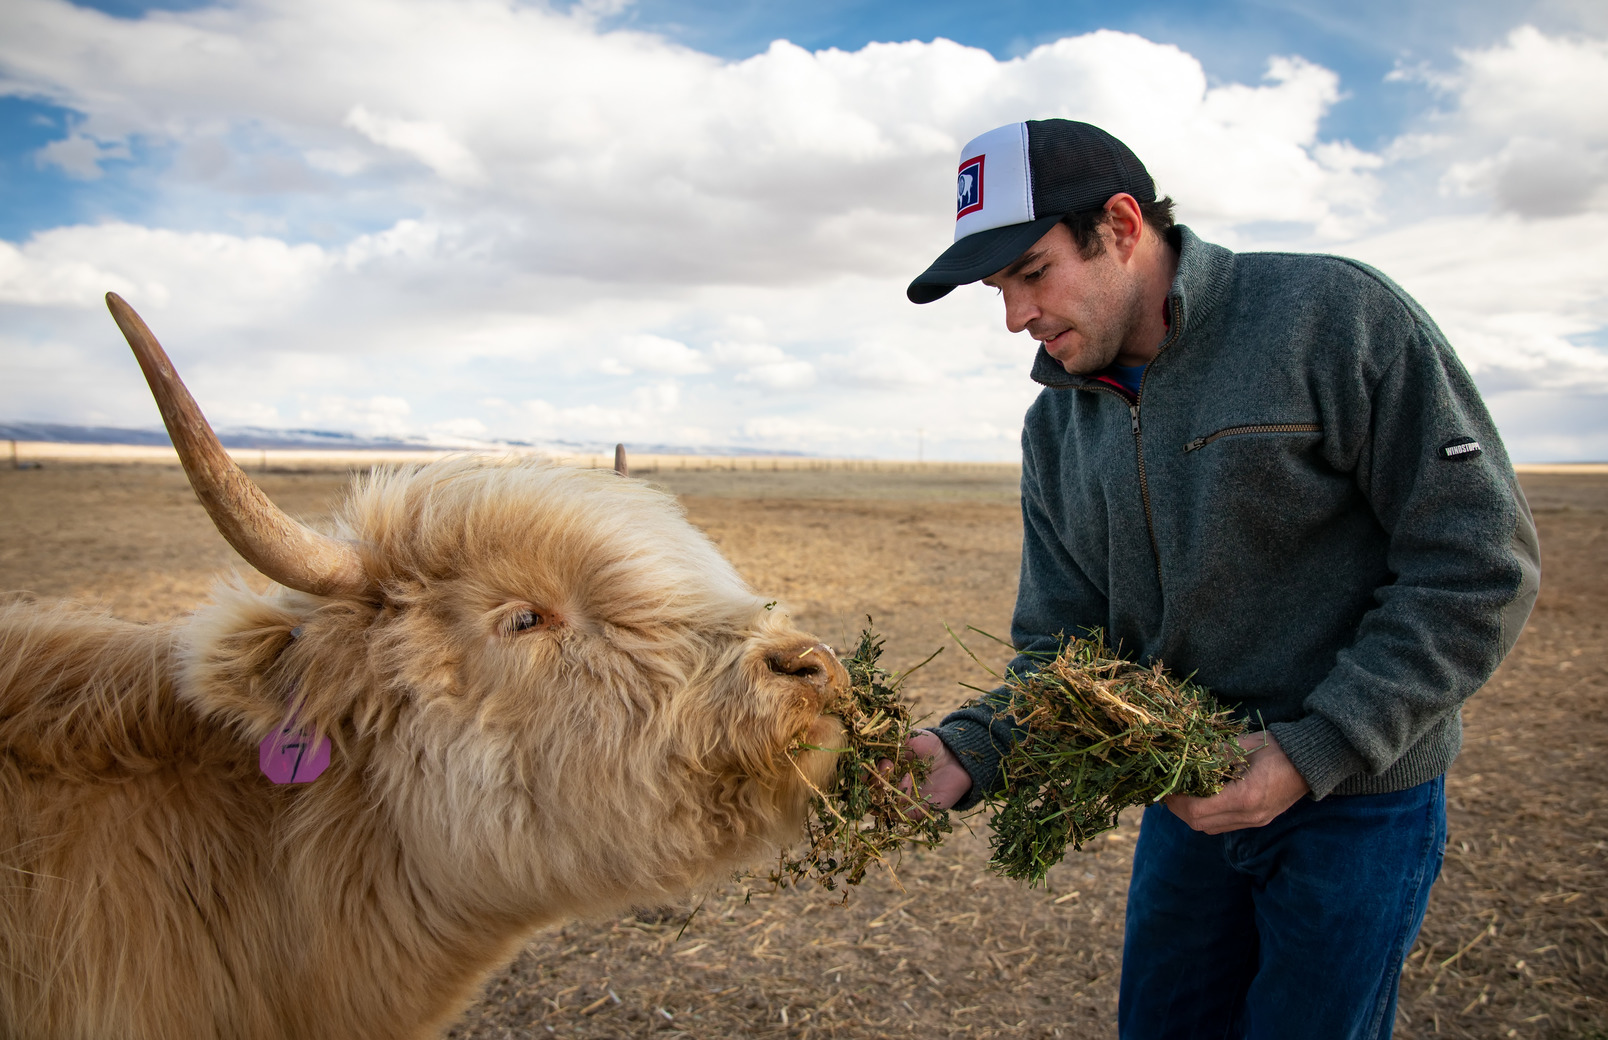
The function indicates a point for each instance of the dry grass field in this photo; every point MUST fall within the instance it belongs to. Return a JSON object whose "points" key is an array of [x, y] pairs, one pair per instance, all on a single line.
{"points": [[1516, 942]]}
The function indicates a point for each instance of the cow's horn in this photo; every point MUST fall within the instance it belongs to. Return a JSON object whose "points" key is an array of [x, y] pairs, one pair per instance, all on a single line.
{"points": [[619, 461], [278, 546]]}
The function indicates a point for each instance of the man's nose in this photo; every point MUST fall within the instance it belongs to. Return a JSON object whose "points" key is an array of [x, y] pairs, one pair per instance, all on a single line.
{"points": [[1019, 310]]}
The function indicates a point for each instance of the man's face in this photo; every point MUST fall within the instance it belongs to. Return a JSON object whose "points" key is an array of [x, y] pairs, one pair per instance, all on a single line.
{"points": [[1081, 310]]}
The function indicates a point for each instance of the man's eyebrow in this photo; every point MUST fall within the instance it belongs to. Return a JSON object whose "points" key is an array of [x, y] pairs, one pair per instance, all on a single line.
{"points": [[1032, 256]]}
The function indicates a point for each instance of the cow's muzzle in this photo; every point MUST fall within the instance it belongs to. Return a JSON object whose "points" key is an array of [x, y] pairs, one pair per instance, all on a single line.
{"points": [[815, 666]]}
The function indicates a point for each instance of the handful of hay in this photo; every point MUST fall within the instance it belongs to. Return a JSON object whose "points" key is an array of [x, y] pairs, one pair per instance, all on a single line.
{"points": [[1103, 734], [861, 820]]}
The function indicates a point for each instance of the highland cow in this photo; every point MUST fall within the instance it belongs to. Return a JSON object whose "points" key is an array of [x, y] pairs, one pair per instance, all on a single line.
{"points": [[540, 693]]}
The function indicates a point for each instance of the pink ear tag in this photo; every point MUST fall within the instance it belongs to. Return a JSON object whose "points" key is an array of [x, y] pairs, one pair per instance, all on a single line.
{"points": [[289, 755]]}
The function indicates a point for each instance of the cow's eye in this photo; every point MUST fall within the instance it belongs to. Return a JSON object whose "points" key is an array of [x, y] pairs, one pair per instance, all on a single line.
{"points": [[523, 620]]}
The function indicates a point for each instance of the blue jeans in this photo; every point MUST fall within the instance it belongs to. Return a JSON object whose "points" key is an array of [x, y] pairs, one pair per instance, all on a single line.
{"points": [[1293, 931]]}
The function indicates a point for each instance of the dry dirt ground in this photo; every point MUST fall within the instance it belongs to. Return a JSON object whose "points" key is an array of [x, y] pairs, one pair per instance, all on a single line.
{"points": [[1515, 944]]}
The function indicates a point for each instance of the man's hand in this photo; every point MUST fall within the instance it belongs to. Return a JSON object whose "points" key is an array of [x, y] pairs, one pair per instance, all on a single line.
{"points": [[1269, 786], [947, 780]]}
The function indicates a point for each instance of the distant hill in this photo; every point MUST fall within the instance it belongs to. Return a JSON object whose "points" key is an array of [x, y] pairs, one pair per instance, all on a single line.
{"points": [[334, 440]]}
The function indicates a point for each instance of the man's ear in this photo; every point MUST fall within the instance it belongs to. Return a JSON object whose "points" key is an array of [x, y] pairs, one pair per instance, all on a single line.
{"points": [[1127, 224]]}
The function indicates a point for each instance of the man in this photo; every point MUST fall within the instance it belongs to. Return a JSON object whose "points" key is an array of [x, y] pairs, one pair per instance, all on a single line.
{"points": [[1271, 471]]}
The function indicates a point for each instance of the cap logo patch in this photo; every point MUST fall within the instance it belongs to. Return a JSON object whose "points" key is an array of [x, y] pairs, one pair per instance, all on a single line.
{"points": [[969, 187], [1460, 448]]}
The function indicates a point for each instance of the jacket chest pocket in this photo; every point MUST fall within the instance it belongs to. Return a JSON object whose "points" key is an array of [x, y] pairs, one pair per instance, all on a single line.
{"points": [[1237, 431], [1259, 486]]}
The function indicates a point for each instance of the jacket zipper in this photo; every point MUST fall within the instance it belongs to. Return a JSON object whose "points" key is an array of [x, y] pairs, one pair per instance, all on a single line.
{"points": [[1144, 488], [1144, 484], [1201, 442], [1175, 328]]}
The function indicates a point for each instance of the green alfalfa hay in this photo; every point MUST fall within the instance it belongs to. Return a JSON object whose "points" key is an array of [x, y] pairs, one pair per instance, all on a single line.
{"points": [[1102, 734], [862, 819]]}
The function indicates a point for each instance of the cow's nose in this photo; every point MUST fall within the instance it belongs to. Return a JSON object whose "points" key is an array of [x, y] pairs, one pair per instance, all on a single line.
{"points": [[812, 662]]}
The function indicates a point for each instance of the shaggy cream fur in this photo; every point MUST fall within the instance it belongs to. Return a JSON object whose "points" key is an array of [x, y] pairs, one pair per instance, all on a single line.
{"points": [[562, 701]]}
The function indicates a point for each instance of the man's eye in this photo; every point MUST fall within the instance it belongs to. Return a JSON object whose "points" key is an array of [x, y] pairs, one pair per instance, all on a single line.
{"points": [[1033, 276]]}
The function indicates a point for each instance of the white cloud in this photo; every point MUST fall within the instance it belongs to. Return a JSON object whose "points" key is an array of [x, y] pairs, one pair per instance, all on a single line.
{"points": [[1518, 278], [724, 352], [407, 240], [1551, 85], [1527, 124], [1534, 178], [762, 364], [648, 353], [462, 428], [36, 277], [780, 375], [430, 143], [211, 272], [347, 162], [1503, 290], [377, 416], [621, 157], [883, 365], [644, 242], [646, 415], [80, 156]]}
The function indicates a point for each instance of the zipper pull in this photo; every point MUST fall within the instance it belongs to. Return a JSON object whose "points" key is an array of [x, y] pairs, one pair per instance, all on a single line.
{"points": [[1198, 442], [1133, 410]]}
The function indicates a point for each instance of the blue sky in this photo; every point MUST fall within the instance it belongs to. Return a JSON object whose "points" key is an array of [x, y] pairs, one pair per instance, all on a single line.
{"points": [[648, 221]]}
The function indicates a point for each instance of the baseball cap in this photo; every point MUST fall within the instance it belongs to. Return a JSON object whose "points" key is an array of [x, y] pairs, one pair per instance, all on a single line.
{"points": [[1015, 183]]}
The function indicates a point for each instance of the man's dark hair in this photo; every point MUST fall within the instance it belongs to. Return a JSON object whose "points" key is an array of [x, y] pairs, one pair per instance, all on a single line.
{"points": [[1086, 224]]}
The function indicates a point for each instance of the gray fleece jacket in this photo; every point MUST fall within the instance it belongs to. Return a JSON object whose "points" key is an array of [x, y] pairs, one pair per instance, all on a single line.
{"points": [[1308, 508]]}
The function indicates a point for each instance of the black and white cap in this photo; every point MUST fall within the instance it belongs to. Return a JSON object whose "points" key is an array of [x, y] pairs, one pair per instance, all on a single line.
{"points": [[1015, 183]]}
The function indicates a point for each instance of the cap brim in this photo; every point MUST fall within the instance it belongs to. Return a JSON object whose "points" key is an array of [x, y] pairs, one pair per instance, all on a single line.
{"points": [[977, 256]]}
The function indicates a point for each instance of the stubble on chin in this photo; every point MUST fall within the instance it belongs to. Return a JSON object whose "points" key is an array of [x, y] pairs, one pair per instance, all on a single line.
{"points": [[1089, 356], [1097, 347]]}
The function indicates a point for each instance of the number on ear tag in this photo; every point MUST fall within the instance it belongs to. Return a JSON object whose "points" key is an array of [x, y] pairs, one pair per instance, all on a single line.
{"points": [[289, 755]]}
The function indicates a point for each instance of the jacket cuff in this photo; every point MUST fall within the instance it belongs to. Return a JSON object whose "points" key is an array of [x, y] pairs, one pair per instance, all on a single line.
{"points": [[1319, 752], [979, 739]]}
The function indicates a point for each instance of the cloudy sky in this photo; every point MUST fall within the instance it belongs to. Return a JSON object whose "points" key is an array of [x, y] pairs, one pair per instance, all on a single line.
{"points": [[680, 222]]}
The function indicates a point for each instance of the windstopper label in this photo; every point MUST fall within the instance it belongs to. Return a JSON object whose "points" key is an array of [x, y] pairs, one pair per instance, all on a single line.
{"points": [[1460, 449]]}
